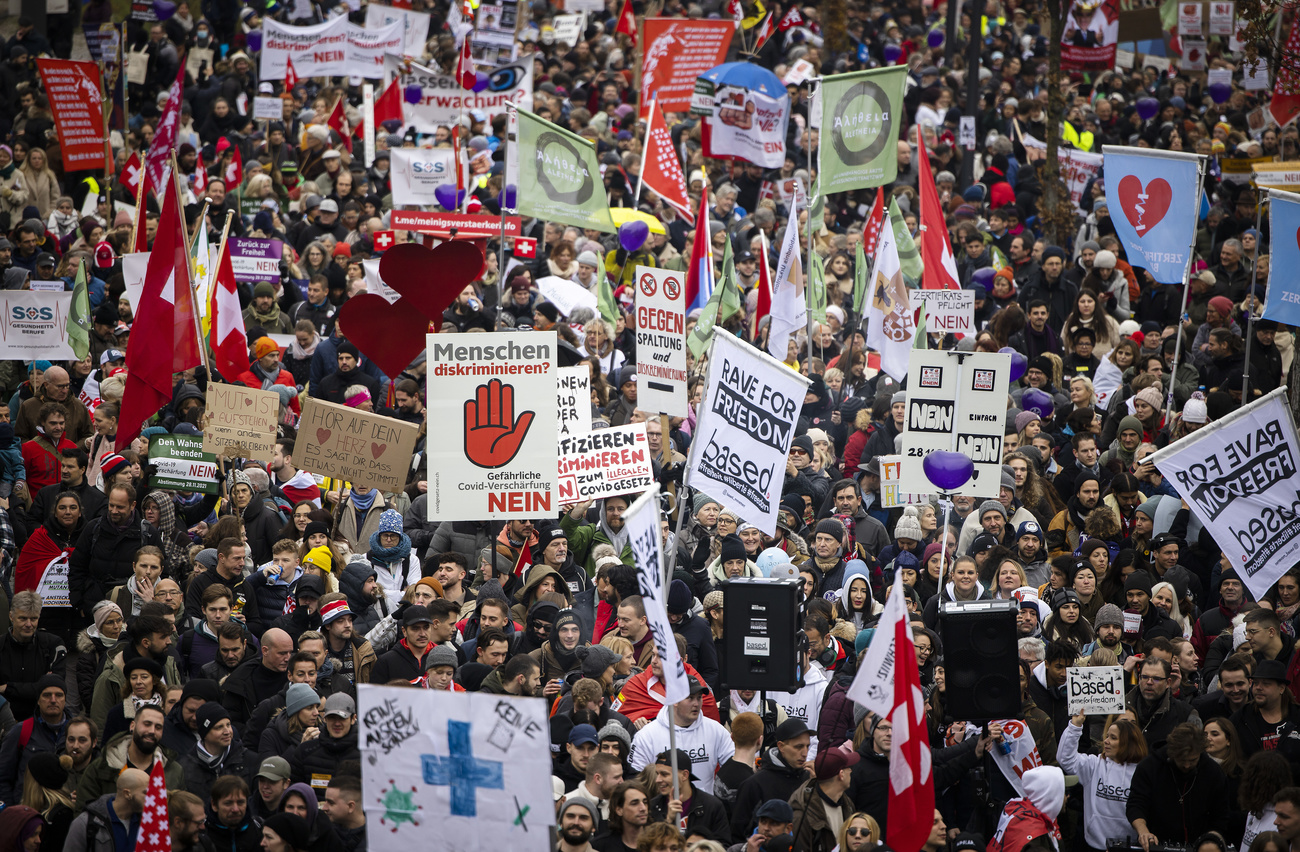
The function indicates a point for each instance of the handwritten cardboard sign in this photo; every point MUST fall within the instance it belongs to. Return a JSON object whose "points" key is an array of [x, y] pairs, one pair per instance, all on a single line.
{"points": [[1096, 690], [573, 400], [181, 464], [241, 421], [362, 448]]}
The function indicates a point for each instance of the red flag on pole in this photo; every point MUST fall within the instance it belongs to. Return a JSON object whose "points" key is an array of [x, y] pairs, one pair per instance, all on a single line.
{"points": [[1285, 103], [936, 251], [627, 21], [871, 228], [338, 122], [155, 826], [792, 19], [290, 75], [164, 340], [200, 177], [132, 173], [388, 107], [229, 342], [911, 786], [465, 71], [763, 306], [164, 137], [765, 31], [234, 173], [662, 171], [140, 237]]}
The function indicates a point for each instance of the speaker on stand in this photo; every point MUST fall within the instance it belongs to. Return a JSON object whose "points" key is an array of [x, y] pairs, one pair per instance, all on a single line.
{"points": [[981, 659]]}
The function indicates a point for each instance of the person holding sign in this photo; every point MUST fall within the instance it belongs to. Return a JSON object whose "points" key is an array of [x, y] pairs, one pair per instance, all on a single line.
{"points": [[266, 373], [1104, 779]]}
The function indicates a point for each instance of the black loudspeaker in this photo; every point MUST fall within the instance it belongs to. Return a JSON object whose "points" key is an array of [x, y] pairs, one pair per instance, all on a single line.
{"points": [[981, 662], [762, 634]]}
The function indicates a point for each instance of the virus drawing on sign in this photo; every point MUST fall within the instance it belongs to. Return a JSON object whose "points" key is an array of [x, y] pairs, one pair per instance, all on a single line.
{"points": [[399, 807]]}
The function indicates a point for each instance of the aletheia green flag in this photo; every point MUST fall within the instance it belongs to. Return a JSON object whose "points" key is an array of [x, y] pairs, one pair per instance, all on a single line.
{"points": [[559, 176], [861, 117]]}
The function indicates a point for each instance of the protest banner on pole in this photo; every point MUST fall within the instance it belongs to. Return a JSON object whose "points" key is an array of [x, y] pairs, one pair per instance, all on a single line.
{"points": [[181, 465], [1158, 194], [860, 116], [494, 395], [334, 48], [354, 445], [268, 108], [751, 405], [1240, 475], [78, 106], [438, 764], [1095, 691], [255, 259], [1282, 299], [603, 463], [241, 421], [644, 536], [34, 325], [442, 99], [573, 401], [661, 341], [415, 25], [418, 172], [677, 50], [949, 311], [891, 483], [966, 397], [558, 175]]}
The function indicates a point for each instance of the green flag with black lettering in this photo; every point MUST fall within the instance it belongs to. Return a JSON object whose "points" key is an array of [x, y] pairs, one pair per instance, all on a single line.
{"points": [[78, 327], [817, 289], [861, 116], [559, 176]]}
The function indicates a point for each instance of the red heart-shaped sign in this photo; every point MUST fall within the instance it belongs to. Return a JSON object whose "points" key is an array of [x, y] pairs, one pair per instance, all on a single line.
{"points": [[322, 436], [377, 450], [1144, 207], [248, 400], [430, 279], [390, 335]]}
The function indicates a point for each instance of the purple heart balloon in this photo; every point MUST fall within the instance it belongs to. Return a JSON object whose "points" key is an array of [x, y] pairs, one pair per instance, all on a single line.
{"points": [[481, 81], [1147, 108], [413, 93], [892, 52], [984, 277], [934, 38], [632, 235], [1220, 92], [1037, 401], [946, 470], [448, 197]]}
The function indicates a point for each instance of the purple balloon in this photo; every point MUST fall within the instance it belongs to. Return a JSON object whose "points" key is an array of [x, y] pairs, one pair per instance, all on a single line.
{"points": [[946, 470], [448, 197], [1019, 364], [481, 81], [413, 94], [1037, 401], [984, 277], [1220, 92], [1147, 108], [508, 196], [934, 38], [892, 52], [632, 235]]}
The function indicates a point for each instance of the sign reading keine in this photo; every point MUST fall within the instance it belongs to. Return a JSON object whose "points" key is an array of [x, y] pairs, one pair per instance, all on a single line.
{"points": [[751, 406], [495, 395], [1239, 477], [967, 397], [661, 341]]}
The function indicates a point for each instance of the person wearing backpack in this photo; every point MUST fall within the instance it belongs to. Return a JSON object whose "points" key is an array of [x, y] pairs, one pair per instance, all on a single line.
{"points": [[42, 733], [111, 815]]}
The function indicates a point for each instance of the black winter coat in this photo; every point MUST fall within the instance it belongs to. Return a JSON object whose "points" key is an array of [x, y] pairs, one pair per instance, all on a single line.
{"points": [[22, 664], [869, 787], [775, 780], [701, 652], [399, 663], [103, 559], [1157, 795], [277, 738], [707, 813], [199, 774], [262, 526], [317, 760]]}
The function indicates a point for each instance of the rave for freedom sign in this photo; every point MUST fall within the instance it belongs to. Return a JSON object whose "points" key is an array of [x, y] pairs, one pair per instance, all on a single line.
{"points": [[751, 405], [1239, 477], [603, 463], [495, 395]]}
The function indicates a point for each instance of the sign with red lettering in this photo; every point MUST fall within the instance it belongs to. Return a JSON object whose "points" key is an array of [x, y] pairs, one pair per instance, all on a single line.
{"points": [[661, 341], [467, 225], [600, 464], [75, 98], [493, 396], [678, 50], [354, 445]]}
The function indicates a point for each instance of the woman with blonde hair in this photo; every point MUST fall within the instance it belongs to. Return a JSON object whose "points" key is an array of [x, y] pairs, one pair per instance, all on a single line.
{"points": [[1165, 596], [598, 344], [42, 185], [859, 832], [43, 792]]}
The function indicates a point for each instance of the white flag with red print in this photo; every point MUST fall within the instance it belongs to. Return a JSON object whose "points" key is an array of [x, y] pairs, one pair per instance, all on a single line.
{"points": [[155, 827], [792, 18], [164, 137], [662, 172]]}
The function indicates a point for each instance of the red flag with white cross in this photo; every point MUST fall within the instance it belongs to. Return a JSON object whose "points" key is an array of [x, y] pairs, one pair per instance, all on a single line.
{"points": [[155, 828], [384, 240]]}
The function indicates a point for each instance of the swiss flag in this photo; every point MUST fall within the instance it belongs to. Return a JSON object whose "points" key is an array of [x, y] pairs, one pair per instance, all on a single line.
{"points": [[763, 306], [132, 172], [229, 342], [200, 177], [662, 171], [936, 251], [871, 228], [388, 107], [466, 74], [234, 173], [164, 339], [911, 785], [155, 827], [627, 21], [525, 247], [290, 76], [338, 122], [792, 18], [765, 31], [383, 240]]}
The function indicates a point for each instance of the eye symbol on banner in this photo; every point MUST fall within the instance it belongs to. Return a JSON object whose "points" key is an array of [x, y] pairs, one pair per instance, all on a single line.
{"points": [[672, 287], [492, 435], [648, 285], [1144, 207]]}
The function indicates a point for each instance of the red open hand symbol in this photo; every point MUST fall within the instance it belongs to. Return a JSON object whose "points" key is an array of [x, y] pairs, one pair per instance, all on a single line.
{"points": [[492, 436]]}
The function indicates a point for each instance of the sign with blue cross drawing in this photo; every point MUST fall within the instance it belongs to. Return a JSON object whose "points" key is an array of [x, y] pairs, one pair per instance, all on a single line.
{"points": [[467, 771]]}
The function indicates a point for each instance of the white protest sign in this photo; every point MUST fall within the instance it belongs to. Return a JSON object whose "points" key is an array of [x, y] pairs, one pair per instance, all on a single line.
{"points": [[949, 311], [1218, 75], [604, 462], [415, 26], [470, 765], [1160, 63], [1124, 58], [268, 108], [1222, 16], [319, 50], [566, 295], [1189, 20], [746, 423], [968, 399], [568, 28], [573, 401], [134, 267], [54, 285], [1255, 75], [34, 325], [641, 522], [53, 587], [1193, 55], [661, 341], [800, 71], [891, 481], [1240, 477], [1095, 691], [1105, 382], [1018, 753], [494, 395], [418, 172], [367, 47], [1077, 169], [966, 132], [443, 101], [375, 284]]}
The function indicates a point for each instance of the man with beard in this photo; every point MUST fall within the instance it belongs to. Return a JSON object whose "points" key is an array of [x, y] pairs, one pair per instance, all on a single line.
{"points": [[234, 647], [553, 551], [1271, 721], [406, 660], [80, 743], [1232, 596], [185, 817], [354, 655], [450, 569], [1029, 550], [1066, 529], [1037, 338], [557, 654], [216, 753], [577, 824], [1154, 707], [584, 537], [1125, 496], [136, 748], [1109, 625], [1137, 594], [332, 387], [265, 372], [867, 531], [1233, 694], [519, 676], [148, 636]]}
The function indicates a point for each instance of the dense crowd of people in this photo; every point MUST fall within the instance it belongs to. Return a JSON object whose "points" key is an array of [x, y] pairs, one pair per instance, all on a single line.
{"points": [[222, 636]]}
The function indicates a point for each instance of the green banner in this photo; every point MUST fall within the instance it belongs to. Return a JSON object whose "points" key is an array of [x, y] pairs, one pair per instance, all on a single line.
{"points": [[862, 114], [909, 256], [559, 176], [182, 465]]}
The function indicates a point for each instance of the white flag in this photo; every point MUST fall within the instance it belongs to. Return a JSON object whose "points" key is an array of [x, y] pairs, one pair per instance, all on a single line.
{"points": [[641, 521], [873, 685], [890, 327], [1105, 382], [205, 268], [789, 311]]}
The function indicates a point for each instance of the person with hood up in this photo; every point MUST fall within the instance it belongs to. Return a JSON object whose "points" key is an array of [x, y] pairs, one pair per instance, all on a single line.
{"points": [[701, 651], [854, 602], [359, 583], [300, 800], [539, 624], [552, 550], [583, 537], [261, 522], [21, 828], [1033, 816], [396, 567], [539, 581]]}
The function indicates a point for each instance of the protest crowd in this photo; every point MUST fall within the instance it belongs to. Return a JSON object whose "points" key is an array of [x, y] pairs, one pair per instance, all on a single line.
{"points": [[214, 633]]}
